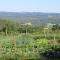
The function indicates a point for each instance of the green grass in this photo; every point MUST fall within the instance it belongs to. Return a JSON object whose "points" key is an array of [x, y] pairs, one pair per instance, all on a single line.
{"points": [[23, 47]]}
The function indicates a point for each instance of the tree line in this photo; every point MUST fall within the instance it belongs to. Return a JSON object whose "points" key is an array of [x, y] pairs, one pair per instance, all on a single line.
{"points": [[10, 27]]}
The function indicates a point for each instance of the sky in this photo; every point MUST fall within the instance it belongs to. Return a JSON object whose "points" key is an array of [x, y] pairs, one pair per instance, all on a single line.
{"points": [[30, 5]]}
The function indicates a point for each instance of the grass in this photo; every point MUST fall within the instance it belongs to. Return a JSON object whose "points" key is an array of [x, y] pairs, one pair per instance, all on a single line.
{"points": [[22, 47]]}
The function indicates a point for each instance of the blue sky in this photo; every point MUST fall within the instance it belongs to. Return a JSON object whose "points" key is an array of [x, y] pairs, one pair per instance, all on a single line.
{"points": [[30, 5]]}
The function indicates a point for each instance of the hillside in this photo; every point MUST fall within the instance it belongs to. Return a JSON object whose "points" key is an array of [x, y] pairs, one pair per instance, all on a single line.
{"points": [[36, 18]]}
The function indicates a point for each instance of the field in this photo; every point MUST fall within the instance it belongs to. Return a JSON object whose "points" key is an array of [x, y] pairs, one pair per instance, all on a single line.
{"points": [[28, 42], [25, 46]]}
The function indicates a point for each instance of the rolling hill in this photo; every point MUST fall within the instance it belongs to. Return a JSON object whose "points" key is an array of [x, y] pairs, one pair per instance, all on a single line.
{"points": [[36, 18]]}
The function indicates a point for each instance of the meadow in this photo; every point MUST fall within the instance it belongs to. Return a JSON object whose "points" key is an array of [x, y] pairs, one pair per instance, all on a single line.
{"points": [[24, 42], [25, 47]]}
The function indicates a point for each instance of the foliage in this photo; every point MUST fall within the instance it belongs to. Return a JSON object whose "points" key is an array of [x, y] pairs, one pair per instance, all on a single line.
{"points": [[25, 42]]}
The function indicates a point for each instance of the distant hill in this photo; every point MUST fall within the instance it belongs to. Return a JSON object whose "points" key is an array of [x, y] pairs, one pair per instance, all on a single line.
{"points": [[36, 18]]}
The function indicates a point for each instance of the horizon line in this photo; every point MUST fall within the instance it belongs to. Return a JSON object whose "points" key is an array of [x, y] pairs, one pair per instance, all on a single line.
{"points": [[28, 12]]}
